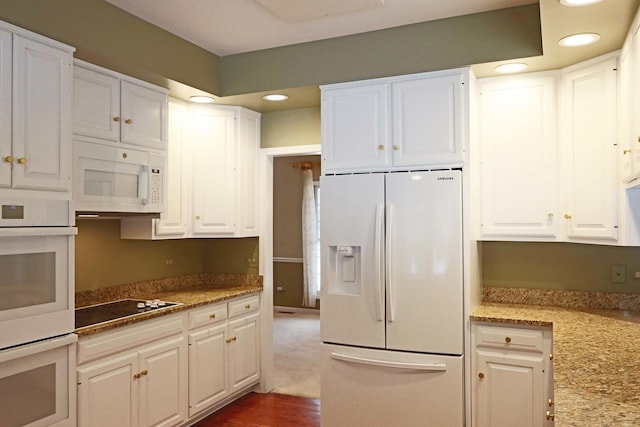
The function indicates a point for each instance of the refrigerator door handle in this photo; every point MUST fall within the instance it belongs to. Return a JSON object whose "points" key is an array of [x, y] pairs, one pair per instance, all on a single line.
{"points": [[389, 363], [389, 275], [379, 262]]}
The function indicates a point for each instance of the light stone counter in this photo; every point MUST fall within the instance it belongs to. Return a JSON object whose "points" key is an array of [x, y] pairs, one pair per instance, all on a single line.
{"points": [[596, 360]]}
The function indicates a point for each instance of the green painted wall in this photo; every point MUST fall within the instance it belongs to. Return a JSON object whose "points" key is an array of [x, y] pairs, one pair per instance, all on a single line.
{"points": [[110, 37], [115, 39], [446, 43], [290, 127], [565, 266], [104, 260]]}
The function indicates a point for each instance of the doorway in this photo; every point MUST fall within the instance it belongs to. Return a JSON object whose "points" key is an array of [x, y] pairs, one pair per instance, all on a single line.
{"points": [[267, 158]]}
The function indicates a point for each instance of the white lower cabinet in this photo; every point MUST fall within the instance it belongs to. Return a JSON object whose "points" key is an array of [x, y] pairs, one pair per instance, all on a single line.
{"points": [[136, 376], [164, 371], [512, 376], [224, 355]]}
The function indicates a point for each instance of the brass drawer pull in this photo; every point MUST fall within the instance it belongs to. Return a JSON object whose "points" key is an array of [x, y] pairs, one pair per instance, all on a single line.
{"points": [[128, 121], [248, 306], [8, 159], [212, 316], [507, 339], [481, 375], [116, 119]]}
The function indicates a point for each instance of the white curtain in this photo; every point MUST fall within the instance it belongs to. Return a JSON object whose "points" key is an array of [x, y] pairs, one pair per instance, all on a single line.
{"points": [[310, 242]]}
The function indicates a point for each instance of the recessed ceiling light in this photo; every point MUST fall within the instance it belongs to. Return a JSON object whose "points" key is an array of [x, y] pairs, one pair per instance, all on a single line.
{"points": [[275, 97], [578, 2], [579, 39], [513, 67], [202, 99]]}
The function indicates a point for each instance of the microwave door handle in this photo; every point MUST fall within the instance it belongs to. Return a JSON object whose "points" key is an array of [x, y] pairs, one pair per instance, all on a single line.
{"points": [[143, 185]]}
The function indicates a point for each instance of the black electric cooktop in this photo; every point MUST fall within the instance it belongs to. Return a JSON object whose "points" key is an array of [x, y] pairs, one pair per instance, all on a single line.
{"points": [[99, 313]]}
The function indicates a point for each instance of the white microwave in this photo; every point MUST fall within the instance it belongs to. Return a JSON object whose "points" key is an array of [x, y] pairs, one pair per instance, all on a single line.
{"points": [[114, 179]]}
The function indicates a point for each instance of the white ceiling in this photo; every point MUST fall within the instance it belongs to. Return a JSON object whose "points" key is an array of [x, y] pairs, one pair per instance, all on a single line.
{"points": [[225, 27]]}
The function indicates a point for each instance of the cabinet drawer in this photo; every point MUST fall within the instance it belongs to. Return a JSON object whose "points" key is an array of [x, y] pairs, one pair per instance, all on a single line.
{"points": [[207, 315], [510, 338], [244, 305]]}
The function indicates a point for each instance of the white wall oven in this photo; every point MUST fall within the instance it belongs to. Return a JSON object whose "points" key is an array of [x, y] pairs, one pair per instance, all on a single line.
{"points": [[37, 344]]}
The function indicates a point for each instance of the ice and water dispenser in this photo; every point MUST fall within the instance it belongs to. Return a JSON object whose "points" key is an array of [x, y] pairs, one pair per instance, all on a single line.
{"points": [[344, 269]]}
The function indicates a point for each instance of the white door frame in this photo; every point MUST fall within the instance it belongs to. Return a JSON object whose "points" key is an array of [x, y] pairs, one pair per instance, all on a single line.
{"points": [[265, 248]]}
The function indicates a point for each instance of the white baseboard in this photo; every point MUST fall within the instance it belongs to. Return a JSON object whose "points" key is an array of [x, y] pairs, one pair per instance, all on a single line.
{"points": [[277, 308]]}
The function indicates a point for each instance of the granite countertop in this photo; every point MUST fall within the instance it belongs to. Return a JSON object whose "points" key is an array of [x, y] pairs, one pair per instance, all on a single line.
{"points": [[189, 291], [596, 360]]}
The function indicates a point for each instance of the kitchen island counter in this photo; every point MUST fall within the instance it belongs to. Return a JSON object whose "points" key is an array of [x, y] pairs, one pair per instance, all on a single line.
{"points": [[189, 292], [596, 363]]}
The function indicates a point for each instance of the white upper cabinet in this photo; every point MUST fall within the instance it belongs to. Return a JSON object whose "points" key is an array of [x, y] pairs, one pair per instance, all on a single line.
{"points": [[427, 121], [173, 221], [5, 108], [588, 132], [35, 111], [355, 127], [548, 175], [518, 157], [214, 179], [96, 103], [118, 108], [395, 123]]}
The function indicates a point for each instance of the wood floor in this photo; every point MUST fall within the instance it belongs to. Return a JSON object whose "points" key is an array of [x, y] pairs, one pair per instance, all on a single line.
{"points": [[266, 410]]}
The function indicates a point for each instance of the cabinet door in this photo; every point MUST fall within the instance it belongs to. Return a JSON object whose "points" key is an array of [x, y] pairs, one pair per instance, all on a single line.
{"points": [[214, 189], [355, 127], [519, 178], [144, 116], [428, 121], [244, 356], [173, 221], [41, 116], [509, 389], [207, 367], [108, 392], [163, 384], [5, 108], [589, 118], [96, 104], [247, 155]]}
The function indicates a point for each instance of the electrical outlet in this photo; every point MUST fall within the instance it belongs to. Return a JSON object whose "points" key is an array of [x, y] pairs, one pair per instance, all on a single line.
{"points": [[618, 273], [636, 274]]}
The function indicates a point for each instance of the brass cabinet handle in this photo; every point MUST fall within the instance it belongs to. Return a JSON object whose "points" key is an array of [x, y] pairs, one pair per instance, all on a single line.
{"points": [[128, 121], [626, 150], [145, 372], [248, 306], [380, 147], [567, 216], [212, 316], [507, 339], [396, 147], [231, 339], [22, 160], [137, 376], [550, 416], [8, 159], [481, 375], [550, 402], [116, 119]]}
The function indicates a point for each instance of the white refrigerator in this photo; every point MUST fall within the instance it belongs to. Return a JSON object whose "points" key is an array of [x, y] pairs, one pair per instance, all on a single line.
{"points": [[392, 299]]}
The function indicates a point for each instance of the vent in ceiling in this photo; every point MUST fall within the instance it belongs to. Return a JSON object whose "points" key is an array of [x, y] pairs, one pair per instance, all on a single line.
{"points": [[298, 10]]}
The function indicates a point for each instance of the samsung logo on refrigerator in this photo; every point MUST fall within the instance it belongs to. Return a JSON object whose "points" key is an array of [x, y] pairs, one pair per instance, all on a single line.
{"points": [[445, 178]]}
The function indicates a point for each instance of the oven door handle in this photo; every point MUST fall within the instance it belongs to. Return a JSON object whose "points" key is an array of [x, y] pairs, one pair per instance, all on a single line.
{"points": [[38, 347]]}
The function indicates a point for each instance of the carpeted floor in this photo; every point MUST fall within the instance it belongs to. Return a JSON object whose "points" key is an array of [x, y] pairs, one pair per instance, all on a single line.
{"points": [[296, 346]]}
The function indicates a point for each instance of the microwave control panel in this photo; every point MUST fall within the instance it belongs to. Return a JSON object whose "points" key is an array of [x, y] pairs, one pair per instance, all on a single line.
{"points": [[155, 186]]}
